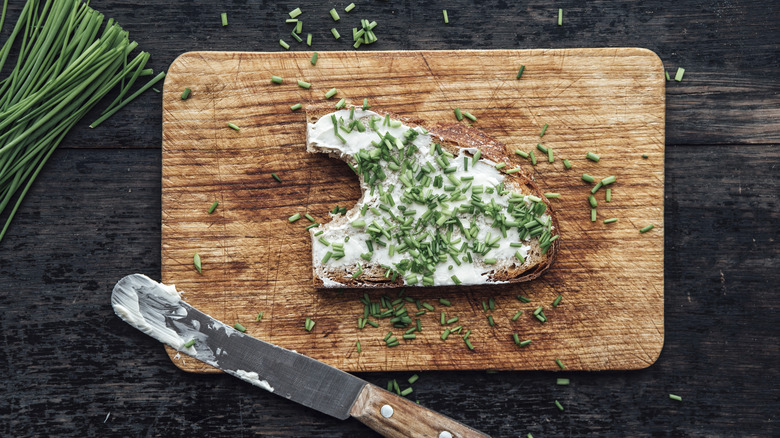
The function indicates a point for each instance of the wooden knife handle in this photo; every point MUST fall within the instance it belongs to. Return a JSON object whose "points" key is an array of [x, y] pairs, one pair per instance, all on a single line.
{"points": [[394, 416]]}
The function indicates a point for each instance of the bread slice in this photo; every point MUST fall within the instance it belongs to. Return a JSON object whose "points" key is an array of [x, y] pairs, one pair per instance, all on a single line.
{"points": [[449, 248]]}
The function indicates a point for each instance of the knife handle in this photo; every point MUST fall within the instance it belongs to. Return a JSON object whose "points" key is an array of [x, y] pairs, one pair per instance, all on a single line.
{"points": [[394, 416]]}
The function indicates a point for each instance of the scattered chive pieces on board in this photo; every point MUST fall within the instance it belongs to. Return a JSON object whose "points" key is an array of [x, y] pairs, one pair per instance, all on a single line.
{"points": [[644, 156], [560, 364], [276, 79], [446, 16], [610, 220], [332, 92], [234, 127], [213, 207], [335, 33], [550, 157], [608, 195], [304, 84], [458, 114], [349, 7], [557, 300], [544, 129], [445, 302], [406, 391], [675, 397], [524, 343], [541, 148], [560, 17], [295, 12], [592, 157], [186, 94], [521, 153], [593, 215], [224, 19], [551, 195], [299, 27], [592, 201], [239, 327], [517, 315], [296, 37], [533, 157], [587, 178], [566, 164], [647, 228], [469, 116], [340, 104], [558, 405], [294, 217], [679, 75], [285, 45], [196, 262], [561, 381], [334, 14], [413, 379], [314, 57], [295, 107], [520, 72], [189, 343], [523, 299]]}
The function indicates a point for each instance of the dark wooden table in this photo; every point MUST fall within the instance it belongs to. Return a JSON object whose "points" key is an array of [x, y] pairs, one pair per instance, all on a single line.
{"points": [[71, 368]]}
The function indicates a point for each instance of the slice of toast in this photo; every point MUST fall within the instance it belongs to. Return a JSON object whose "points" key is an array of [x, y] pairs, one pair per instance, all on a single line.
{"points": [[435, 209]]}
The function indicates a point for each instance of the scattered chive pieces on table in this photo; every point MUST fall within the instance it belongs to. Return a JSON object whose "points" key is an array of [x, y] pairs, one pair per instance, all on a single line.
{"points": [[189, 343], [587, 178], [276, 177], [608, 195], [679, 75], [186, 94], [560, 364], [340, 104], [358, 347], [196, 262], [541, 148], [561, 381], [308, 40], [446, 16], [593, 215], [520, 72], [295, 12], [304, 84], [285, 45], [239, 327], [234, 127], [294, 217], [521, 153], [524, 343], [560, 17], [291, 20], [224, 19], [458, 114], [551, 195], [349, 7], [647, 228], [558, 405], [592, 157], [533, 157], [259, 316], [468, 344], [550, 157], [566, 164], [557, 300], [544, 129], [213, 207], [335, 33], [469, 116], [523, 299], [675, 397], [276, 79], [332, 92], [445, 302], [308, 324], [314, 57], [299, 28], [334, 15], [309, 217], [296, 107], [592, 201], [296, 37], [610, 220], [517, 315]]}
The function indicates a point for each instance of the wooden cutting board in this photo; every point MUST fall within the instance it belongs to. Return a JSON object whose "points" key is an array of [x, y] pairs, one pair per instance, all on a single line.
{"points": [[609, 101]]}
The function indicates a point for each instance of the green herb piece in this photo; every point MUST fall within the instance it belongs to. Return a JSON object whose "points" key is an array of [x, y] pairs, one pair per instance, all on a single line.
{"points": [[666, 73], [561, 381], [335, 33], [295, 107], [365, 104], [468, 344], [558, 405], [239, 327], [551, 195], [213, 207], [294, 217], [500, 165], [410, 336], [533, 157], [523, 299], [304, 84], [517, 315], [224, 19], [413, 379], [284, 45], [308, 324], [314, 57], [679, 75], [592, 201], [332, 92], [544, 129], [445, 334], [596, 187], [560, 364], [458, 114], [259, 316], [645, 156], [446, 18], [308, 40], [334, 15], [524, 343], [357, 347], [469, 116], [647, 228], [675, 397], [521, 153], [520, 72], [541, 148], [593, 215], [186, 94], [196, 262], [592, 157], [445, 302], [295, 12], [516, 338], [610, 220], [566, 164], [309, 217], [608, 180], [557, 300], [490, 320], [587, 178], [492, 304], [189, 343], [489, 261], [276, 79], [298, 29], [341, 103], [560, 17], [349, 7], [233, 127], [608, 195]]}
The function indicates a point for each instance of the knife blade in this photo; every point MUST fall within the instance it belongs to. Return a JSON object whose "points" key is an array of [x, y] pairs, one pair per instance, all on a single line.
{"points": [[158, 310]]}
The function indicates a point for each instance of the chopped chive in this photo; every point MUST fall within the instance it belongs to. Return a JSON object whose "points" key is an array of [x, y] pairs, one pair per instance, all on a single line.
{"points": [[608, 195], [413, 379], [521, 153], [517, 315], [295, 107], [679, 75], [349, 7], [224, 19], [295, 12], [561, 381], [298, 29], [516, 338], [490, 320], [468, 344], [647, 228], [308, 324], [541, 147], [308, 40], [592, 201], [304, 84], [186, 94], [551, 195], [452, 320], [608, 180], [533, 157], [291, 20], [442, 318], [332, 92], [592, 157], [675, 397], [285, 45], [550, 157], [560, 364], [335, 33], [645, 156], [359, 223], [566, 164], [596, 187], [259, 316], [446, 17], [309, 217], [558, 405], [294, 217], [276, 79], [560, 17], [500, 165], [523, 299], [327, 257], [524, 343], [334, 14], [544, 129], [476, 157], [466, 336], [469, 116], [557, 300], [587, 178], [593, 215], [489, 261], [445, 334], [314, 57], [492, 304], [428, 306], [196, 262], [406, 391], [239, 327], [610, 220], [189, 343], [458, 114], [341, 103], [234, 127], [365, 104], [666, 73], [213, 207], [445, 302], [520, 72], [357, 346]]}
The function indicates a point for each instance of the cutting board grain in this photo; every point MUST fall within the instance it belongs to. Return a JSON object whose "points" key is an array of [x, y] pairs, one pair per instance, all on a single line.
{"points": [[609, 101]]}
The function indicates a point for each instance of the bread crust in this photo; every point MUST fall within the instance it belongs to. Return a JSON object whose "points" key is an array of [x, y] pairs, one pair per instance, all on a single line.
{"points": [[453, 138]]}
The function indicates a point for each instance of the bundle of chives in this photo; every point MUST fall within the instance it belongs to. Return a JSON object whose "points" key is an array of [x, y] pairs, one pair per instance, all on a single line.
{"points": [[62, 69]]}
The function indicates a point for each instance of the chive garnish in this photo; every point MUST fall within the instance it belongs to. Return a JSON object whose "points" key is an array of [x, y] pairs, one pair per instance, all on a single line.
{"points": [[445, 302], [308, 40], [593, 215], [413, 379], [196, 262], [557, 300], [490, 320], [332, 92], [410, 336], [610, 220], [186, 94], [213, 207], [608, 195], [468, 344], [357, 346], [298, 29], [304, 84], [276, 79], [592, 201], [309, 217], [295, 107], [308, 324], [458, 114], [285, 45], [406, 391], [560, 364], [334, 14], [259, 316], [524, 343], [596, 187], [335, 33], [516, 338], [189, 343], [587, 178], [276, 177], [489, 261], [239, 327], [544, 129], [445, 334], [523, 299], [294, 217], [541, 147], [647, 228], [551, 195], [675, 397], [295, 12], [566, 164], [314, 56], [341, 103], [233, 127], [224, 19], [561, 381], [592, 157], [558, 405], [469, 116], [520, 72], [679, 75], [521, 153], [349, 7], [533, 157], [645, 156], [517, 315], [560, 17]]}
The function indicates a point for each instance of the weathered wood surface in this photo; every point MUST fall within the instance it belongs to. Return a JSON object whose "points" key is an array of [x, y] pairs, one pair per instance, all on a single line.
{"points": [[606, 101], [94, 215]]}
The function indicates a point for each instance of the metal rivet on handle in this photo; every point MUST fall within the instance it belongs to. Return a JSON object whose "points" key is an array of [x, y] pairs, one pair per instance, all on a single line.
{"points": [[445, 434], [386, 411]]}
